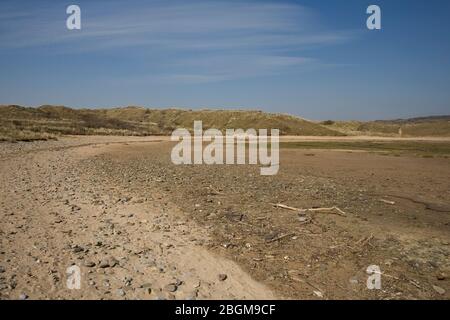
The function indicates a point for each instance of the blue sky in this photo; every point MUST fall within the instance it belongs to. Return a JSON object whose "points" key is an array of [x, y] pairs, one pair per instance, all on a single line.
{"points": [[315, 59]]}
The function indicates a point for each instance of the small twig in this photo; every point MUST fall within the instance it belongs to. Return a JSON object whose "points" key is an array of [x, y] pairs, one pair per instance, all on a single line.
{"points": [[387, 201], [281, 237], [283, 206], [334, 208], [339, 211]]}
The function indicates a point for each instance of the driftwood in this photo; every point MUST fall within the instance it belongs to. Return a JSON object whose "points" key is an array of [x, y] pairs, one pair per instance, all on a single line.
{"points": [[387, 201], [332, 210], [283, 206], [438, 207]]}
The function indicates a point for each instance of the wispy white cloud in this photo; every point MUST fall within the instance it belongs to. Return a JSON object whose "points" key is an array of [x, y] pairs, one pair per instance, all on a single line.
{"points": [[199, 41]]}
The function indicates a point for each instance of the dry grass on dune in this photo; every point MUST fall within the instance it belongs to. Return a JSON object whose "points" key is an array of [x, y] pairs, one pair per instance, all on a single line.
{"points": [[416, 127], [22, 123], [12, 134], [137, 121]]}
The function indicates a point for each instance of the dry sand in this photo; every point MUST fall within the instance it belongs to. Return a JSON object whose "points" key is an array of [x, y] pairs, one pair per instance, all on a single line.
{"points": [[142, 228]]}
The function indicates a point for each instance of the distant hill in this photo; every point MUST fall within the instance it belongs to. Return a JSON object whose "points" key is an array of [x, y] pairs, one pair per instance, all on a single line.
{"points": [[417, 120], [35, 123], [434, 126]]}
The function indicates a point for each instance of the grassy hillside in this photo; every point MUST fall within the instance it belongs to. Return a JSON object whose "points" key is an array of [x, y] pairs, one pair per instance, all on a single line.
{"points": [[22, 123], [438, 126]]}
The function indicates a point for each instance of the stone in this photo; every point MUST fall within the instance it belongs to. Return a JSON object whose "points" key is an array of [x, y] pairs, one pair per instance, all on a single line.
{"points": [[89, 264], [77, 249], [128, 281], [441, 276], [223, 277], [23, 296], [171, 287], [113, 262], [178, 282], [110, 262], [104, 264], [439, 290], [318, 293]]}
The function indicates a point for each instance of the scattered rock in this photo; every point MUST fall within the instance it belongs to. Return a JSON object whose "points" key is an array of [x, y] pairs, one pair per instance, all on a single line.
{"points": [[441, 276], [318, 294], [2, 269], [171, 287], [178, 282], [110, 262], [113, 262], [128, 281], [77, 249], [104, 264], [439, 290], [223, 277], [98, 244], [89, 264]]}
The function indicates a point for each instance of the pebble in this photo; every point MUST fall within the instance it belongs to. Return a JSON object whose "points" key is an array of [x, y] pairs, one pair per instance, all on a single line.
{"points": [[439, 290], [318, 294], [108, 263], [89, 264], [113, 262], [77, 249], [2, 269], [128, 281], [223, 277], [178, 282], [23, 296], [104, 264], [441, 276], [171, 287]]}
